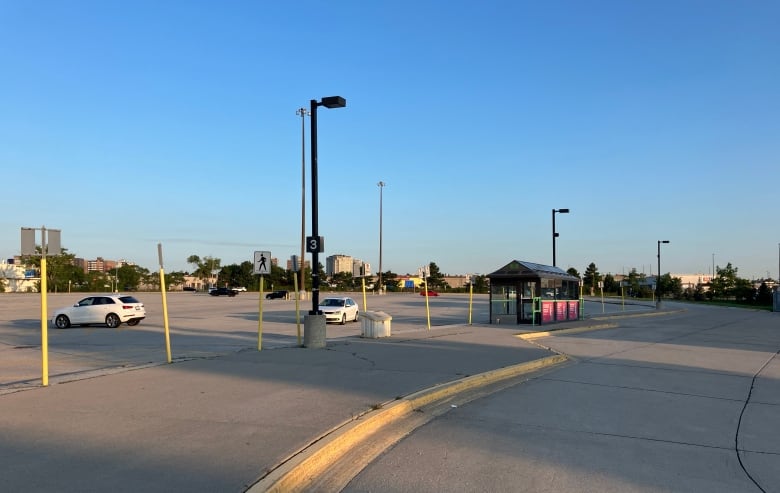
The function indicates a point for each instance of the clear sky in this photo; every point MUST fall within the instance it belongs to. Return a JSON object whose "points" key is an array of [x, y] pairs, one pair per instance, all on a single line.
{"points": [[131, 123]]}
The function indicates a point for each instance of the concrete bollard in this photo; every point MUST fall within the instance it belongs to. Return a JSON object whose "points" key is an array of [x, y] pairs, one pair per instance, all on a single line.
{"points": [[314, 331]]}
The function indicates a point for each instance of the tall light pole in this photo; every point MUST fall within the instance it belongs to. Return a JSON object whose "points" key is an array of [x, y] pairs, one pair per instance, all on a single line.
{"points": [[381, 186], [713, 270], [303, 113], [315, 243], [554, 233], [658, 276]]}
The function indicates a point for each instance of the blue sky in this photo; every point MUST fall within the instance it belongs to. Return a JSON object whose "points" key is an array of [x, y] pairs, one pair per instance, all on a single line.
{"points": [[128, 124]]}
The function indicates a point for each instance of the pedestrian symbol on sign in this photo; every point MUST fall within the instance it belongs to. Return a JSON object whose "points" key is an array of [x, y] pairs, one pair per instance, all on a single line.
{"points": [[261, 262]]}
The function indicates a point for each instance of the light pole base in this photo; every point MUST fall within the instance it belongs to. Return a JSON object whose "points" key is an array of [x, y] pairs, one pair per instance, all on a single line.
{"points": [[314, 331]]}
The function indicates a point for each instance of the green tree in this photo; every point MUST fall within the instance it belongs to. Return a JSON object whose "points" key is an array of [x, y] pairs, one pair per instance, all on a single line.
{"points": [[591, 278], [390, 280], [764, 295], [239, 275], [342, 281], [610, 285], [744, 290], [572, 272], [277, 279], [128, 277], [97, 282], [436, 278], [480, 284], [205, 268], [669, 285], [61, 270], [724, 282], [633, 282]]}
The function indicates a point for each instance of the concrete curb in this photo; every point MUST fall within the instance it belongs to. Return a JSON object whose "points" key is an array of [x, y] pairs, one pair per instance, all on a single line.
{"points": [[298, 472], [636, 315], [536, 335]]}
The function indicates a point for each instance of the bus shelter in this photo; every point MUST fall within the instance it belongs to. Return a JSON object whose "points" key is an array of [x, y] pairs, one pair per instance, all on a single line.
{"points": [[528, 293]]}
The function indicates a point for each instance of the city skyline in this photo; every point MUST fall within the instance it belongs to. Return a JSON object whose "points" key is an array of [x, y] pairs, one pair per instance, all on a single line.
{"points": [[129, 125]]}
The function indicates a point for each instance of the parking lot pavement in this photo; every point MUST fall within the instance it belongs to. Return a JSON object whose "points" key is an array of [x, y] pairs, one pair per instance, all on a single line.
{"points": [[221, 423], [201, 326]]}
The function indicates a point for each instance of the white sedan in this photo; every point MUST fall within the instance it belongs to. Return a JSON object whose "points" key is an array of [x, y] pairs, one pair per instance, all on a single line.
{"points": [[111, 309], [339, 309]]}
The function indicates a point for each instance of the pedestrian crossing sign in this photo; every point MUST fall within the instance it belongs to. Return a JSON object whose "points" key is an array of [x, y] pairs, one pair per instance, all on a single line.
{"points": [[262, 264]]}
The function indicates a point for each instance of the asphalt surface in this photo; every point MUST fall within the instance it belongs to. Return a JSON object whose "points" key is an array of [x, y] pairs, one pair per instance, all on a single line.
{"points": [[237, 418]]}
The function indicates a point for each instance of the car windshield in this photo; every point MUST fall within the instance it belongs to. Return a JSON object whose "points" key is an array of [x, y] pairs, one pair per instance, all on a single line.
{"points": [[332, 302], [128, 299]]}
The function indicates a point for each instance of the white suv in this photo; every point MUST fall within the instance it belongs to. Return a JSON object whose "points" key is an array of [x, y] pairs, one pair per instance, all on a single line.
{"points": [[110, 309]]}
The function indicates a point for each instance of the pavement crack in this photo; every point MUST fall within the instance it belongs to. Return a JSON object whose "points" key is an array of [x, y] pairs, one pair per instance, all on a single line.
{"points": [[737, 448], [640, 389]]}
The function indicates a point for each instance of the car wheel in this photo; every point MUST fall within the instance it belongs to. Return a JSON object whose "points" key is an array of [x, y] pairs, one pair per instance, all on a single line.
{"points": [[112, 320], [344, 319], [356, 316], [132, 323], [62, 322]]}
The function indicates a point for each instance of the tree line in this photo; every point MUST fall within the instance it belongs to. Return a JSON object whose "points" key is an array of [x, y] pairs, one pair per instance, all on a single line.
{"points": [[726, 285], [63, 275]]}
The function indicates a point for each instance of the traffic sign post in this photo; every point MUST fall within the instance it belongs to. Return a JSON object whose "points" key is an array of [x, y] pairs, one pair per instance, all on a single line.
{"points": [[262, 267]]}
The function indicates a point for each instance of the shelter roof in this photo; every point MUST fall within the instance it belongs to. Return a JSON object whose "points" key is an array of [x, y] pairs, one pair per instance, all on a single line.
{"points": [[525, 269]]}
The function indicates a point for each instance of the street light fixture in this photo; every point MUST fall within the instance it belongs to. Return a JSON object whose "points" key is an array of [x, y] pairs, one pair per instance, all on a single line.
{"points": [[658, 279], [303, 113], [381, 186], [315, 243], [554, 233]]}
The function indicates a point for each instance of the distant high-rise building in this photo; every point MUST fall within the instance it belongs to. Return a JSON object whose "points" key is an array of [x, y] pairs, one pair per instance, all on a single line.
{"points": [[338, 263]]}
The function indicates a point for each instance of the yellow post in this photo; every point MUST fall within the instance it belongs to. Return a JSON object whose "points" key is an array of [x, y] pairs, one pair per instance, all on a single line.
{"points": [[297, 308], [427, 305], [622, 299], [165, 316], [602, 299], [365, 304], [44, 325], [471, 299], [260, 318]]}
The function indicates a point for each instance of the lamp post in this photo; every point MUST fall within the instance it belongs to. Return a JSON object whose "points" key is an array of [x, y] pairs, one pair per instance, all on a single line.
{"points": [[554, 234], [303, 113], [381, 186], [315, 243], [658, 279]]}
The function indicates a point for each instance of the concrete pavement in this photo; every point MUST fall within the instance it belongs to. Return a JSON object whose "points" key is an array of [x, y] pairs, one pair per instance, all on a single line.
{"points": [[229, 422], [222, 423]]}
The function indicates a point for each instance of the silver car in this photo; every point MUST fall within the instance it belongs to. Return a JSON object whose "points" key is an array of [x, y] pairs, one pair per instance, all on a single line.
{"points": [[339, 309], [110, 309]]}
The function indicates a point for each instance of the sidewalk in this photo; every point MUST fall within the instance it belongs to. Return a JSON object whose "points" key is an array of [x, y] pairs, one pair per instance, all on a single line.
{"points": [[221, 424]]}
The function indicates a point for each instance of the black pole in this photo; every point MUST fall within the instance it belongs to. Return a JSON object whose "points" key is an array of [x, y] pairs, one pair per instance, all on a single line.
{"points": [[658, 278], [315, 264], [553, 235]]}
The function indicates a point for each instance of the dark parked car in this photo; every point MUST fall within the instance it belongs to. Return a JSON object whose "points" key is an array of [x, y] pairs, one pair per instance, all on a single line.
{"points": [[223, 292], [276, 295], [188, 288]]}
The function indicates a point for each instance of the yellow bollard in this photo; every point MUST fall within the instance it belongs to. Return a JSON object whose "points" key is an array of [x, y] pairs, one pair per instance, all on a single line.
{"points": [[297, 308], [260, 318], [44, 326], [165, 316]]}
